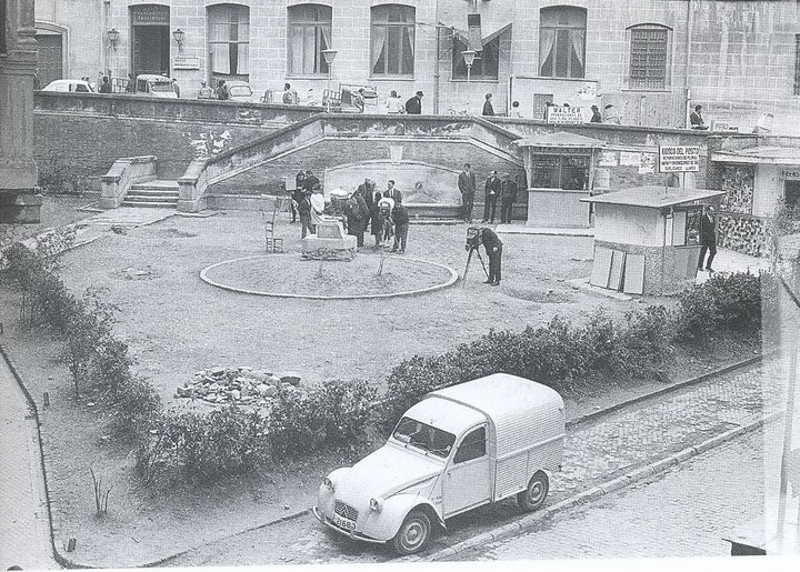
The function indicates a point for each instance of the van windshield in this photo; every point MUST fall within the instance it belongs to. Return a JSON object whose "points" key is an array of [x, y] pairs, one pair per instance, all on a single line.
{"points": [[160, 85], [424, 437]]}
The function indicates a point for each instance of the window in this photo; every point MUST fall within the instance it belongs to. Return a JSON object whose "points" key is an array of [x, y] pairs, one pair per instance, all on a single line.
{"points": [[649, 57], [562, 37], [568, 172], [486, 63], [229, 41], [392, 45], [472, 447], [424, 437], [309, 34], [797, 66]]}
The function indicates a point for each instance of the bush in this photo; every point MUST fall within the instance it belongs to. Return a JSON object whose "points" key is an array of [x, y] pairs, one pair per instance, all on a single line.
{"points": [[643, 345], [412, 379], [724, 302]]}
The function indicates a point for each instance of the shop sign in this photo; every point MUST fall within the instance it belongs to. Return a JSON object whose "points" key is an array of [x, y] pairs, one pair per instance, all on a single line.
{"points": [[186, 63], [790, 174], [151, 15], [678, 159], [559, 114]]}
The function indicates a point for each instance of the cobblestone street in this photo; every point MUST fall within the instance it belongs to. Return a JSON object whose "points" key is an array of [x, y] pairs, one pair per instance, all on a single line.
{"points": [[677, 513], [596, 452]]}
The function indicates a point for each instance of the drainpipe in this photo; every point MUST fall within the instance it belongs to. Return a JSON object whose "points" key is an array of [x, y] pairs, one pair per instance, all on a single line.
{"points": [[688, 49], [436, 65]]}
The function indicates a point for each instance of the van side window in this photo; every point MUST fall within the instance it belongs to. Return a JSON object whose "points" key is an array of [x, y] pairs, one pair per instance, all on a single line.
{"points": [[472, 447]]}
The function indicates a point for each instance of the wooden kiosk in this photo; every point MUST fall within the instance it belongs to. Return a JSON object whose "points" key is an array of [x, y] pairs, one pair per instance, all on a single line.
{"points": [[647, 239], [560, 168]]}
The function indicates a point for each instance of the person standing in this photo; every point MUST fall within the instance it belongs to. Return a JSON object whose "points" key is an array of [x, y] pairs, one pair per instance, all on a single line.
{"points": [[289, 96], [365, 214], [317, 207], [515, 112], [494, 250], [401, 221], [297, 193], [414, 104], [222, 91], [466, 186], [376, 221], [393, 191], [596, 118], [508, 194], [311, 181], [393, 104], [386, 206], [487, 105], [696, 118], [367, 190], [708, 239], [491, 191], [304, 211], [176, 87], [105, 87], [355, 225], [205, 92]]}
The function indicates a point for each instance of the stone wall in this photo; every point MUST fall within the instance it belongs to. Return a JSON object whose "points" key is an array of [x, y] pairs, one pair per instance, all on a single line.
{"points": [[738, 182]]}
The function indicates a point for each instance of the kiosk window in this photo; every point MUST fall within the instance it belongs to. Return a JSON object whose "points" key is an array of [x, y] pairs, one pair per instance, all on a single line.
{"points": [[792, 193], [472, 447], [570, 173]]}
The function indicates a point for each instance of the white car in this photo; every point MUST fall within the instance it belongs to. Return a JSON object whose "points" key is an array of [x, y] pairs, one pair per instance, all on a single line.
{"points": [[69, 85], [241, 91], [459, 448]]}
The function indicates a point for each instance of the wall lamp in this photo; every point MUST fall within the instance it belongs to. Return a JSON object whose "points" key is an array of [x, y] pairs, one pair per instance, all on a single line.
{"points": [[179, 35], [113, 38]]}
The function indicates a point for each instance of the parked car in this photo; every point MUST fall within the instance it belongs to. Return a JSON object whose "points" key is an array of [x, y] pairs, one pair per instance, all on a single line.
{"points": [[459, 448], [70, 85], [241, 91], [154, 85]]}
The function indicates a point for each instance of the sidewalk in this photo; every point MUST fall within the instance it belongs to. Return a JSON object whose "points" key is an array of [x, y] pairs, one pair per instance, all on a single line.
{"points": [[25, 527]]}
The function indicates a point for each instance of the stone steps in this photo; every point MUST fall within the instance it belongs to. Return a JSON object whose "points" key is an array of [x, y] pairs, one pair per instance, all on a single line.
{"points": [[154, 193]]}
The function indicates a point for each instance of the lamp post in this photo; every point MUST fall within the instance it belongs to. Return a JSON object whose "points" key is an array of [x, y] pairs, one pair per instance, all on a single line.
{"points": [[469, 59], [329, 56], [179, 35]]}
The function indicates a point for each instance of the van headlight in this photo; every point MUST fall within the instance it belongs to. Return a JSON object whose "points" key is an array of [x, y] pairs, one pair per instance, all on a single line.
{"points": [[375, 504], [328, 484]]}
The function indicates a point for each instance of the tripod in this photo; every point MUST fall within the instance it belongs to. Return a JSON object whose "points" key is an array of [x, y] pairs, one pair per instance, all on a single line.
{"points": [[469, 259]]}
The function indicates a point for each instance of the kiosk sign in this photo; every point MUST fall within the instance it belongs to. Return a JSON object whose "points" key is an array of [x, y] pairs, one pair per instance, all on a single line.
{"points": [[678, 159], [561, 114]]}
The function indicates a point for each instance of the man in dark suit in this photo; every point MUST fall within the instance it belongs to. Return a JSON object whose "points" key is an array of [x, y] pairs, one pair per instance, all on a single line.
{"points": [[414, 104], [311, 181], [494, 249], [508, 194], [708, 239], [491, 191], [466, 186]]}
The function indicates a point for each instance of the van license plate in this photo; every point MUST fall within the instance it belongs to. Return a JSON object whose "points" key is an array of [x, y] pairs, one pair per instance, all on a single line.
{"points": [[344, 523]]}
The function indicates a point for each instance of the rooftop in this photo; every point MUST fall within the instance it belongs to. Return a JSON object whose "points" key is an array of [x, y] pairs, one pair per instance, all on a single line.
{"points": [[773, 154], [654, 197]]}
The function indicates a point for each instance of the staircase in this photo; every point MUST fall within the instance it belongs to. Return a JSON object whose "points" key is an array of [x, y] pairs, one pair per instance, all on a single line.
{"points": [[153, 193]]}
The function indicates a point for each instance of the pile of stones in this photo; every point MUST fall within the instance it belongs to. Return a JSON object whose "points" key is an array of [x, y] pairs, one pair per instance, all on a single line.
{"points": [[238, 385]]}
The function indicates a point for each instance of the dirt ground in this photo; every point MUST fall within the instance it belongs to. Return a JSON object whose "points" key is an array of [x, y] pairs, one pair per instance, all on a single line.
{"points": [[177, 324]]}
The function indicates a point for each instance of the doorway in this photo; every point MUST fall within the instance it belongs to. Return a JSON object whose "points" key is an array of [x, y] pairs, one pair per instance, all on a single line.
{"points": [[50, 63], [150, 50], [791, 193]]}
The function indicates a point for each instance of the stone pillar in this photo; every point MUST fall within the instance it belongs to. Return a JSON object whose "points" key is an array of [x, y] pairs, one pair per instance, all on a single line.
{"points": [[18, 172]]}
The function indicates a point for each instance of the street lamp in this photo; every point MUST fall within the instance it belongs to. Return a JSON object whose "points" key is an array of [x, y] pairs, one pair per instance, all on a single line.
{"points": [[113, 38], [329, 56], [469, 59], [179, 36]]}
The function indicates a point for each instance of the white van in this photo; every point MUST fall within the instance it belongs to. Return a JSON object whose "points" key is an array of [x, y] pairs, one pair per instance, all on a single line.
{"points": [[154, 85], [459, 448]]}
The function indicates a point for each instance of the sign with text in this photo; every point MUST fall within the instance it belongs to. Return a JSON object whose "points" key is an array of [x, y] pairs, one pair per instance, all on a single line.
{"points": [[561, 114], [186, 63], [678, 159], [790, 174], [150, 15]]}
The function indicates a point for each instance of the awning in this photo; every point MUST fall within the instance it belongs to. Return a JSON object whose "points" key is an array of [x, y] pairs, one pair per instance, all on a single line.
{"points": [[561, 139], [755, 155]]}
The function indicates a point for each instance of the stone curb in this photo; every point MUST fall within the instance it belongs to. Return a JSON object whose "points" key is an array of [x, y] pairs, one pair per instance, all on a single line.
{"points": [[517, 526], [450, 281], [639, 474]]}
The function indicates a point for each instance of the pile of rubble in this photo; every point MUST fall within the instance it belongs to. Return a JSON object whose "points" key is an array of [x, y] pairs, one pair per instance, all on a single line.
{"points": [[242, 385]]}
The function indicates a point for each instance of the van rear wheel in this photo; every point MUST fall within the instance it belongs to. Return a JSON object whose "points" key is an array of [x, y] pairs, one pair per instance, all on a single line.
{"points": [[414, 533], [534, 496]]}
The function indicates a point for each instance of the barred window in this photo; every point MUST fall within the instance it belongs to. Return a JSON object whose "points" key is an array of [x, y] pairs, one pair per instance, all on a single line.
{"points": [[649, 57], [392, 41], [309, 34], [562, 42], [229, 41]]}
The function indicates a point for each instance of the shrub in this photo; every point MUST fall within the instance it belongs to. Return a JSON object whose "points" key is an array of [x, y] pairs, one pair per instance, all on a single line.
{"points": [[729, 302], [644, 343], [135, 404], [413, 378]]}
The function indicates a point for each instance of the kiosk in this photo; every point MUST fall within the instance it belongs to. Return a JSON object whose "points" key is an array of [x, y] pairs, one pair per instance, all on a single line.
{"points": [[647, 238], [560, 168]]}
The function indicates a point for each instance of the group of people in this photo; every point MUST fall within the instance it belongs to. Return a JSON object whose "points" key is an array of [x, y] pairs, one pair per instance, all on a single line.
{"points": [[505, 189], [367, 209], [412, 106]]}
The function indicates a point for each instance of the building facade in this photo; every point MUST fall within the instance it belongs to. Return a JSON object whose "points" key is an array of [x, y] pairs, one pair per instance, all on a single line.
{"points": [[650, 59]]}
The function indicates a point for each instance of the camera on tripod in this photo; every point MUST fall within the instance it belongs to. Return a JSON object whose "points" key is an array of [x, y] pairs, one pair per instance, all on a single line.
{"points": [[474, 238]]}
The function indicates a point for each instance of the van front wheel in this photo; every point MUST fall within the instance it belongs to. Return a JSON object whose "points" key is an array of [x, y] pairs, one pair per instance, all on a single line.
{"points": [[413, 534], [534, 496]]}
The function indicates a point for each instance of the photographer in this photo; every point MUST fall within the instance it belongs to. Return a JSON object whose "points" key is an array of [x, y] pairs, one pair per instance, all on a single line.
{"points": [[494, 249]]}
